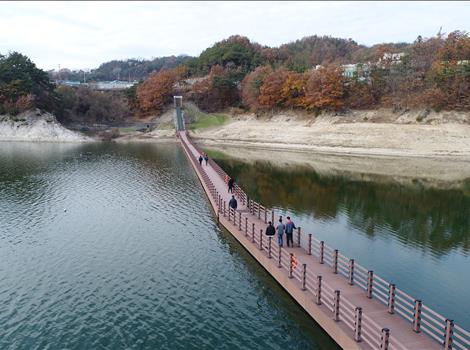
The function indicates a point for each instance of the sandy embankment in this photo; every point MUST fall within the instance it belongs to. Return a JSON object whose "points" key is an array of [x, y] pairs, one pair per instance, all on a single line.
{"points": [[386, 147], [389, 135], [34, 126]]}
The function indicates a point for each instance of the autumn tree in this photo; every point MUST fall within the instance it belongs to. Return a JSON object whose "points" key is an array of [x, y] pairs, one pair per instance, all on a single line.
{"points": [[293, 89], [219, 90], [251, 86], [270, 95], [324, 89], [157, 91]]}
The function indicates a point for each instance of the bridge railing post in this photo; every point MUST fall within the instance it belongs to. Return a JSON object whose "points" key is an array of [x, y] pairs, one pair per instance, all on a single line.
{"points": [[336, 306], [358, 324], [335, 261], [225, 209], [253, 233], [291, 265], [279, 257], [318, 296], [304, 276], [370, 282], [322, 252], [391, 298], [298, 236], [272, 216], [246, 226], [265, 216], [239, 221], [309, 244], [351, 272], [417, 316], [384, 340], [261, 239], [449, 334], [259, 211], [269, 246]]}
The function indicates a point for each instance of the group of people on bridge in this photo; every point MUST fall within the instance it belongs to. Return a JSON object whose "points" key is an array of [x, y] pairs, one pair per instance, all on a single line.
{"points": [[281, 229]]}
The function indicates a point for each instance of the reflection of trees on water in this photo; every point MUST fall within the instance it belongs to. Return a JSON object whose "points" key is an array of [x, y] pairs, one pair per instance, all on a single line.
{"points": [[439, 219]]}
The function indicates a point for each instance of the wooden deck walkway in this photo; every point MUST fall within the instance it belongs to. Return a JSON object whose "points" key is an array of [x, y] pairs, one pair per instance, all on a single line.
{"points": [[338, 295]]}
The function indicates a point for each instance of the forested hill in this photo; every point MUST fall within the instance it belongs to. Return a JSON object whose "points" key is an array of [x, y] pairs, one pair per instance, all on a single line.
{"points": [[315, 73], [131, 69]]}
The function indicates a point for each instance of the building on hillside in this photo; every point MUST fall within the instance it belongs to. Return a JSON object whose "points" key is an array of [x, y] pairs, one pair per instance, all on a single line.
{"points": [[112, 85], [68, 83], [361, 71], [393, 58]]}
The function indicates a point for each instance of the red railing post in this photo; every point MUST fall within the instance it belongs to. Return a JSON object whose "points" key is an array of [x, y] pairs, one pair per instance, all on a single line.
{"points": [[336, 306], [304, 276], [318, 296], [335, 261], [417, 316], [384, 339], [370, 283], [449, 333], [322, 252], [269, 246], [291, 265], [358, 324], [391, 298], [351, 272]]}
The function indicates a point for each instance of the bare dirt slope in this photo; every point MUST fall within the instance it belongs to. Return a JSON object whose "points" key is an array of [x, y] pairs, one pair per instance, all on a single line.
{"points": [[379, 133]]}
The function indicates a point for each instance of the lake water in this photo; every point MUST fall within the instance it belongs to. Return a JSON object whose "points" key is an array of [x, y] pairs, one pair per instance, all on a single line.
{"points": [[107, 246], [415, 236]]}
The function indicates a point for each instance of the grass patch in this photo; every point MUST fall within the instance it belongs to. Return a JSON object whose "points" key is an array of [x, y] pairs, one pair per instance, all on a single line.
{"points": [[215, 154], [204, 120]]}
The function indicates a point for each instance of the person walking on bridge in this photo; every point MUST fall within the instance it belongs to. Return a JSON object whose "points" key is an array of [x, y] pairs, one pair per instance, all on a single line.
{"points": [[231, 182], [206, 157], [200, 159], [270, 230], [290, 227], [233, 203], [280, 232]]}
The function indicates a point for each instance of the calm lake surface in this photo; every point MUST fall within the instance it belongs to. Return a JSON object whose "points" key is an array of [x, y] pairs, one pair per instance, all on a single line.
{"points": [[413, 236], [108, 246]]}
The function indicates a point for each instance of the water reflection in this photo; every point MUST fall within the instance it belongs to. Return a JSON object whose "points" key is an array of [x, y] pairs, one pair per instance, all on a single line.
{"points": [[420, 216]]}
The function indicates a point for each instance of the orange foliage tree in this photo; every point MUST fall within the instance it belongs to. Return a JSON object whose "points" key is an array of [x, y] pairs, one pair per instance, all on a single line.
{"points": [[157, 91], [270, 94], [324, 89], [293, 89]]}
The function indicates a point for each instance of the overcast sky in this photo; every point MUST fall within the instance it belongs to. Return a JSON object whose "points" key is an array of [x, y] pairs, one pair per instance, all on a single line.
{"points": [[85, 34]]}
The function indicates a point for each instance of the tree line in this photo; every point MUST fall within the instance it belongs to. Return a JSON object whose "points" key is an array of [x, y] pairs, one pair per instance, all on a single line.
{"points": [[307, 74]]}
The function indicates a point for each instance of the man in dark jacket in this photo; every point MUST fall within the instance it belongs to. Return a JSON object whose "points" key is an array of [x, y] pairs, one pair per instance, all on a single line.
{"points": [[290, 227], [230, 185], [270, 230], [233, 203]]}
